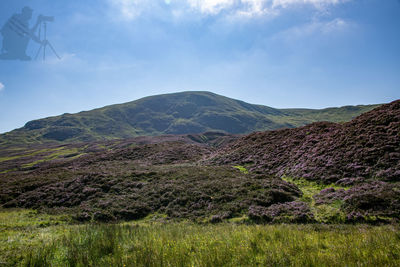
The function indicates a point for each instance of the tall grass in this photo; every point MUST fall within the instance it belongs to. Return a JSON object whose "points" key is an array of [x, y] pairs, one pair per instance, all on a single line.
{"points": [[184, 244]]}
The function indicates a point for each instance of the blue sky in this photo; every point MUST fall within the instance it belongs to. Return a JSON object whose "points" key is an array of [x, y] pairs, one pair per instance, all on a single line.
{"points": [[279, 53]]}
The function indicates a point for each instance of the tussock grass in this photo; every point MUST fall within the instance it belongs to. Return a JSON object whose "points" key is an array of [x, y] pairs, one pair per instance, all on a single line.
{"points": [[185, 244], [29, 238]]}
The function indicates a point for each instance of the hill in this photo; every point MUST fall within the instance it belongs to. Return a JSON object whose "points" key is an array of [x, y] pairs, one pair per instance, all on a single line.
{"points": [[322, 172], [366, 147], [178, 113]]}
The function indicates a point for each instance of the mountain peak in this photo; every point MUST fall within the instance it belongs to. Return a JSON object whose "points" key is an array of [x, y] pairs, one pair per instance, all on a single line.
{"points": [[187, 112]]}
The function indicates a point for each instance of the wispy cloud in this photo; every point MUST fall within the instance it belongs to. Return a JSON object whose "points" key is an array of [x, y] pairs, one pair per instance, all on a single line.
{"points": [[131, 9], [316, 27], [1, 86], [256, 7]]}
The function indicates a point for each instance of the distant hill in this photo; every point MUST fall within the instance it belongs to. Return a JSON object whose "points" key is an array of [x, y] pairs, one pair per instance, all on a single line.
{"points": [[178, 113]]}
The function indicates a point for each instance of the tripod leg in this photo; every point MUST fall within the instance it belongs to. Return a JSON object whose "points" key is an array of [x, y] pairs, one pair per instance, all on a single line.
{"points": [[52, 48], [38, 52]]}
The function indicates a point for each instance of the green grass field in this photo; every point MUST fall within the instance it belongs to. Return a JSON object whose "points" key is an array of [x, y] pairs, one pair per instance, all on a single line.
{"points": [[28, 238]]}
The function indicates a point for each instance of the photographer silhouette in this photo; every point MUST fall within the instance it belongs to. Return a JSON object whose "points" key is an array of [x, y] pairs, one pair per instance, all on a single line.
{"points": [[17, 34]]}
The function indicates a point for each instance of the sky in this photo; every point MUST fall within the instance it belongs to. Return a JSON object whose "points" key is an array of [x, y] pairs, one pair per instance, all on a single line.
{"points": [[279, 53]]}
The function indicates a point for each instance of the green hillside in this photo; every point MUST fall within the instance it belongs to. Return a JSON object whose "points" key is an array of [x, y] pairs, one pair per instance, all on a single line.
{"points": [[178, 113]]}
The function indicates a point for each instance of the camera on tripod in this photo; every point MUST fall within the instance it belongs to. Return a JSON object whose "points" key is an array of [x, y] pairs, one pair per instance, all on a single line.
{"points": [[46, 18], [44, 42]]}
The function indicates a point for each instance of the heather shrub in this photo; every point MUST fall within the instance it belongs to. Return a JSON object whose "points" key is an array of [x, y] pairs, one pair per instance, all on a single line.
{"points": [[103, 216], [290, 212], [373, 199], [349, 153], [179, 191]]}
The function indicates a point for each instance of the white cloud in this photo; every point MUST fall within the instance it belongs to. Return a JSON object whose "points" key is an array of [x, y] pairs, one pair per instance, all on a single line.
{"points": [[210, 6], [236, 8], [1, 86], [254, 7], [131, 9], [316, 3]]}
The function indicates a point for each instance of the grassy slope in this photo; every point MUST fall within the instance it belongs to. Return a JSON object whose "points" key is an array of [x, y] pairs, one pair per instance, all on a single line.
{"points": [[300, 117], [31, 239], [179, 113]]}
